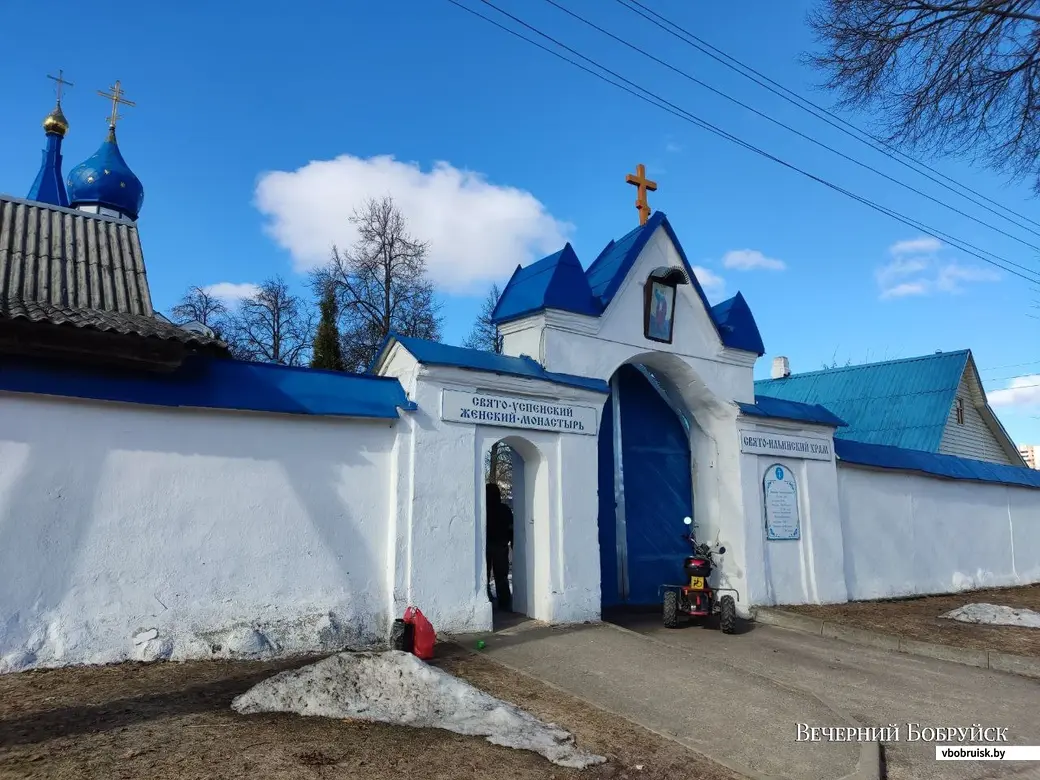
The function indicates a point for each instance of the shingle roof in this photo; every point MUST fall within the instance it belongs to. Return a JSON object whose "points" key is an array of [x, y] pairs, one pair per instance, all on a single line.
{"points": [[68, 267], [212, 383], [436, 354], [898, 403], [553, 283], [105, 321]]}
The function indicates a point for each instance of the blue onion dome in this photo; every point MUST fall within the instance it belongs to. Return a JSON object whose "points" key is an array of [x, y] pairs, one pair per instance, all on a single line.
{"points": [[105, 181]]}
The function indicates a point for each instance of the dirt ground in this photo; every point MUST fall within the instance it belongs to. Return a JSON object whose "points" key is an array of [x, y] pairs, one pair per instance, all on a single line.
{"points": [[173, 720], [918, 618]]}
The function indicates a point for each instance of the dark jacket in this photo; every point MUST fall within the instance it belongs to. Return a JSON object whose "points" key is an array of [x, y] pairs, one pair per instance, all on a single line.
{"points": [[499, 525]]}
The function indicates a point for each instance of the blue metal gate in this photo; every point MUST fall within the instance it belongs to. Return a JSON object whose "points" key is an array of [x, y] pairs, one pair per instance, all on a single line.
{"points": [[653, 490]]}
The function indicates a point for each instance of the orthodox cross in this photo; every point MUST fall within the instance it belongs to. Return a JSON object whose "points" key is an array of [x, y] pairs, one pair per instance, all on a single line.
{"points": [[61, 82], [643, 186], [116, 96]]}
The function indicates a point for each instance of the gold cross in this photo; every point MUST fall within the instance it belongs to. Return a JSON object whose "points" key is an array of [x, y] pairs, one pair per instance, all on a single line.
{"points": [[643, 185], [116, 96], [61, 83]]}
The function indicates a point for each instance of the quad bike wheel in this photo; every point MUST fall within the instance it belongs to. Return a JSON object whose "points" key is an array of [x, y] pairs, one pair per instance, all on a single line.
{"points": [[671, 609], [727, 615]]}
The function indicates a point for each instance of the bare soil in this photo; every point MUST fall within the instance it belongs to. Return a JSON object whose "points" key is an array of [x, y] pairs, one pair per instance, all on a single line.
{"points": [[918, 618], [172, 721]]}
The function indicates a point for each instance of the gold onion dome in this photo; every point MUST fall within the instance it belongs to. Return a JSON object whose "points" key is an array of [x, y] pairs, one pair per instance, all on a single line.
{"points": [[55, 122]]}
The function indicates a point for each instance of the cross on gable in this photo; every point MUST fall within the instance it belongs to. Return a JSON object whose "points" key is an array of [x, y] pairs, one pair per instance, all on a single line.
{"points": [[643, 185]]}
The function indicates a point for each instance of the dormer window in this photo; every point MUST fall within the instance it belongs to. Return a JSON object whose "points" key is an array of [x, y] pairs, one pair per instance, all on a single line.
{"points": [[659, 303], [960, 411]]}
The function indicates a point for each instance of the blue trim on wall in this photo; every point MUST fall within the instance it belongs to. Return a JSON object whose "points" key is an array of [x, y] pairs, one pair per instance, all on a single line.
{"points": [[948, 466], [776, 408], [433, 353], [211, 383]]}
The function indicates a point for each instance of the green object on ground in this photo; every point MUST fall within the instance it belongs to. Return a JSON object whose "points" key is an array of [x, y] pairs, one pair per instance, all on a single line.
{"points": [[480, 644]]}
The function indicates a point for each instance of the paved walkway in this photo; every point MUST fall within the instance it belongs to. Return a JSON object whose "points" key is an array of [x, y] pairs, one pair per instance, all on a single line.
{"points": [[739, 699]]}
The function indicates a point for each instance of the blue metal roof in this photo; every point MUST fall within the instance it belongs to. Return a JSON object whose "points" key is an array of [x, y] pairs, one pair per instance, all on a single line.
{"points": [[217, 384], [436, 354], [554, 282], [49, 187], [737, 325], [897, 403], [949, 466], [766, 406], [105, 179]]}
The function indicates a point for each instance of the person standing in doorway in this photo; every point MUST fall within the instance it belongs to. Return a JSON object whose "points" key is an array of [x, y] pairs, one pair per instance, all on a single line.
{"points": [[499, 540]]}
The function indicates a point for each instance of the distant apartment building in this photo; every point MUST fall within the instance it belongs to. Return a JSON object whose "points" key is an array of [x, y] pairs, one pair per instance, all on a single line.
{"points": [[1029, 454]]}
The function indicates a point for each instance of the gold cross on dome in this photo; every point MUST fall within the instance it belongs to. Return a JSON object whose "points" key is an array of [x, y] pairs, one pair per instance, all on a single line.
{"points": [[643, 186], [116, 96], [61, 82]]}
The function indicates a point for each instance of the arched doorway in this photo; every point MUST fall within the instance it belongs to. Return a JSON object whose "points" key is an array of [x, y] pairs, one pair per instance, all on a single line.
{"points": [[520, 471], [645, 486]]}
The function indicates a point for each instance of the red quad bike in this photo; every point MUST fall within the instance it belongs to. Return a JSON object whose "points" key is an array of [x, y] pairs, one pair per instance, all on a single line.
{"points": [[697, 598]]}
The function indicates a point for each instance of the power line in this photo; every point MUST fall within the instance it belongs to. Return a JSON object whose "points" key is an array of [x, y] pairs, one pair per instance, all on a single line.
{"points": [[662, 103], [791, 129], [816, 110], [1011, 365]]}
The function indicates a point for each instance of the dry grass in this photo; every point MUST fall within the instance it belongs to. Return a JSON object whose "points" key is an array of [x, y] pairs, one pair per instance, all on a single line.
{"points": [[918, 618], [173, 721]]}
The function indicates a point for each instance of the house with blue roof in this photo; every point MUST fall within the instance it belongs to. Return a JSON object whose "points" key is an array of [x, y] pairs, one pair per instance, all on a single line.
{"points": [[160, 500]]}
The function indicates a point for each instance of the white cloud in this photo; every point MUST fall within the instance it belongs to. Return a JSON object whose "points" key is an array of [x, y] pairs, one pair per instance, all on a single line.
{"points": [[710, 281], [906, 289], [750, 259], [950, 275], [916, 270], [477, 231], [1023, 391], [230, 292], [916, 246], [673, 148]]}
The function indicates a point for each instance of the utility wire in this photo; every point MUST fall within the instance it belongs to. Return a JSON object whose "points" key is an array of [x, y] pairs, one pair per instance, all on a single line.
{"points": [[794, 130], [662, 103], [1011, 365], [816, 110]]}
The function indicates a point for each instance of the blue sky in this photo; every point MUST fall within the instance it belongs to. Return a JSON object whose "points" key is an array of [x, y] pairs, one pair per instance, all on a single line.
{"points": [[254, 134]]}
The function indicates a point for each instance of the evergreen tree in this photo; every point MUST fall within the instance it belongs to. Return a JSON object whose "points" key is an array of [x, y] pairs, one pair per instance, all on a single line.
{"points": [[327, 351]]}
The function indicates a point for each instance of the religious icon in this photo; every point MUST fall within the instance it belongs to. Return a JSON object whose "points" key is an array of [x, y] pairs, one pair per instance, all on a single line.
{"points": [[660, 310]]}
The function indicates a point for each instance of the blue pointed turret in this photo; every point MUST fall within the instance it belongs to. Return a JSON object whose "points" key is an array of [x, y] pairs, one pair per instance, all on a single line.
{"points": [[49, 186], [104, 183]]}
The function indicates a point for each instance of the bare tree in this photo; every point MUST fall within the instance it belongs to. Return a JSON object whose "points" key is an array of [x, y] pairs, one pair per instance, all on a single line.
{"points": [[945, 76], [485, 333], [272, 326], [197, 305], [381, 283]]}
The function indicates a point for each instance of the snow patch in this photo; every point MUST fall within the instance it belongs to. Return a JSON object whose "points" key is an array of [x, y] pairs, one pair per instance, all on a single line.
{"points": [[992, 614], [398, 688]]}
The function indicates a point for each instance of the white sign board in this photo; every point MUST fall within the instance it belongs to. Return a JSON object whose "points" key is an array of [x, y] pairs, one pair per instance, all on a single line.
{"points": [[518, 412], [757, 443], [782, 521]]}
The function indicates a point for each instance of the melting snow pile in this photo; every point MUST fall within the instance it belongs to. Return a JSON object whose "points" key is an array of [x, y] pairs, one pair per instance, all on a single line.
{"points": [[398, 688], [991, 614]]}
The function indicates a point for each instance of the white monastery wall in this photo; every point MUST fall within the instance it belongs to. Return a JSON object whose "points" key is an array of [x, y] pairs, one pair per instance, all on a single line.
{"points": [[440, 520], [141, 532], [909, 534], [807, 569]]}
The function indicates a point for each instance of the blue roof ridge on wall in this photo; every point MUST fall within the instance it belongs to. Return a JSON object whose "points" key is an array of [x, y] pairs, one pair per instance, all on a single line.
{"points": [[215, 383], [437, 354], [934, 464]]}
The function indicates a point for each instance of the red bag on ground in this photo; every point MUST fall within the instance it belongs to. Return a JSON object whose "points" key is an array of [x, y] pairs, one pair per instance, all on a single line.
{"points": [[424, 636]]}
